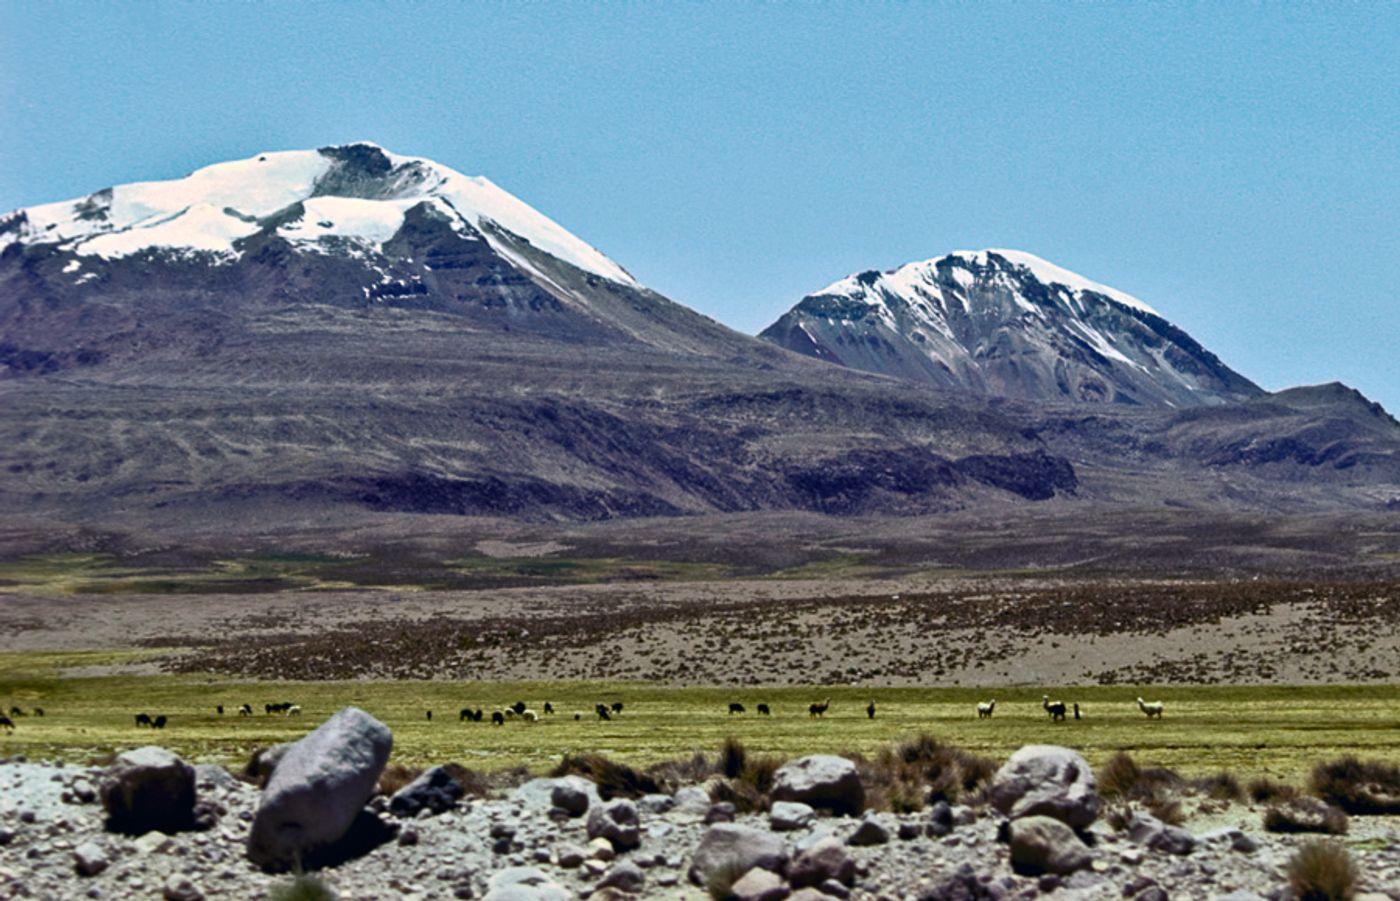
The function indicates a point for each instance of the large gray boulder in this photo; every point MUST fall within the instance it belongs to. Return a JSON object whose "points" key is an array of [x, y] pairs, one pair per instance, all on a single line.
{"points": [[318, 788], [727, 851], [574, 794], [1044, 845], [148, 789], [822, 780], [1049, 781]]}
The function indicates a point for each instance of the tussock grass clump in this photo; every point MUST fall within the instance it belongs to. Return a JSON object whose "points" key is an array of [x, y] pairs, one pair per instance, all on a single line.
{"points": [[1222, 786], [750, 789], [1265, 790], [1322, 871], [732, 757], [474, 784], [1359, 787], [302, 887], [1121, 777], [614, 780], [923, 770], [395, 777], [1169, 811], [1305, 815]]}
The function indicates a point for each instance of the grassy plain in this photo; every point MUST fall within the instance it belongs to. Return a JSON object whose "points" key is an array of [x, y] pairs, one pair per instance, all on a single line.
{"points": [[1275, 730]]}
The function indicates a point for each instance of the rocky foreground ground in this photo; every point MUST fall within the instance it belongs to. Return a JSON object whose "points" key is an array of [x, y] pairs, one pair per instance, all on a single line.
{"points": [[149, 825]]}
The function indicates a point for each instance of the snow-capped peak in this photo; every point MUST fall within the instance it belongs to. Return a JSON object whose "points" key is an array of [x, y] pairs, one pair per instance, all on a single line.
{"points": [[358, 191], [1045, 272]]}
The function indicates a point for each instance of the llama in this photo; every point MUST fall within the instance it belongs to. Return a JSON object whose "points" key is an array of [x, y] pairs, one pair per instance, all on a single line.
{"points": [[245, 710], [159, 722], [986, 709], [870, 710], [143, 719], [818, 710], [1076, 710], [548, 709], [764, 711], [498, 718], [602, 711], [220, 709], [735, 707], [38, 711], [6, 723], [616, 706], [430, 716], [294, 710], [1056, 709], [530, 716], [1152, 709], [518, 707]]}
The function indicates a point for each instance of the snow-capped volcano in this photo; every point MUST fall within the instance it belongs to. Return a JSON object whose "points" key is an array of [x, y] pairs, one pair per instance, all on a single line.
{"points": [[352, 196], [1007, 323]]}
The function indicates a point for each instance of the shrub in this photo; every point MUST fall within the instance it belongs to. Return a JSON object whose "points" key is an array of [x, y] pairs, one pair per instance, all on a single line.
{"points": [[614, 780], [1168, 811], [1220, 787], [749, 791], [395, 777], [1264, 790], [905, 777], [302, 887], [474, 784], [1305, 815], [732, 757], [1121, 777], [1362, 787], [1322, 871]]}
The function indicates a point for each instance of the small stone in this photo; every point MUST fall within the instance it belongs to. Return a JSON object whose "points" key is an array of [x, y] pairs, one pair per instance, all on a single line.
{"points": [[1045, 845], [616, 821], [601, 849], [908, 831], [721, 812], [656, 803], [786, 816], [180, 888], [89, 859], [759, 884], [834, 889], [408, 837], [594, 868], [825, 859], [571, 857], [873, 830], [624, 876]]}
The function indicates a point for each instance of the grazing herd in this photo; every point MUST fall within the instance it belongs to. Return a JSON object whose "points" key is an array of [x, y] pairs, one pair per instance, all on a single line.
{"points": [[1058, 711]]}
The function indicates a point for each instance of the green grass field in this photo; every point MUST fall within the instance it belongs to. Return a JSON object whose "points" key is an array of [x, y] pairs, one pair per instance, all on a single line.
{"points": [[1279, 731]]}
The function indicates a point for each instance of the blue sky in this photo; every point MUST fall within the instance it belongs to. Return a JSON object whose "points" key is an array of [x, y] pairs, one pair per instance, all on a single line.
{"points": [[1235, 165]]}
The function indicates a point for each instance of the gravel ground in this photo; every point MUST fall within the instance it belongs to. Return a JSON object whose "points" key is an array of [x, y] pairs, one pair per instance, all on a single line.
{"points": [[46, 828]]}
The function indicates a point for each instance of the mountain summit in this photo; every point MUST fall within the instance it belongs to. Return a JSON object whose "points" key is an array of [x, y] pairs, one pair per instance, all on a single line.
{"points": [[1007, 323], [352, 195]]}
